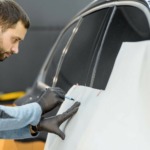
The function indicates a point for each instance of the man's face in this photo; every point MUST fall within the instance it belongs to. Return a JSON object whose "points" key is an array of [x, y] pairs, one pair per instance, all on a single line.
{"points": [[10, 39]]}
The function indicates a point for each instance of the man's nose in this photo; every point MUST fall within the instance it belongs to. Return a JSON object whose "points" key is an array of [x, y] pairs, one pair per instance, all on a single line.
{"points": [[15, 49]]}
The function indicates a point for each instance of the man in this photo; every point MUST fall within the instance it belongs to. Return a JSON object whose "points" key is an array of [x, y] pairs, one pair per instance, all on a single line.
{"points": [[27, 120]]}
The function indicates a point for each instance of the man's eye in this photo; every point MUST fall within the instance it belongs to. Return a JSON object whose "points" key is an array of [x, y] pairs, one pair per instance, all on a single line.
{"points": [[15, 40]]}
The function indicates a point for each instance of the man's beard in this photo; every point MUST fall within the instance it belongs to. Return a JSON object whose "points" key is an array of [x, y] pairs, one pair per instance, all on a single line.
{"points": [[2, 51], [2, 54], [2, 58]]}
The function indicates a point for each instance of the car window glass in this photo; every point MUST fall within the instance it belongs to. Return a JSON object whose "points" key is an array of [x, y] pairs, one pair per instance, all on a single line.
{"points": [[129, 24], [57, 53], [82, 52]]}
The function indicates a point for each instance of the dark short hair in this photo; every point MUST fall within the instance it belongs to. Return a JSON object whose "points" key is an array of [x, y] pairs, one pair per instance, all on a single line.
{"points": [[11, 13]]}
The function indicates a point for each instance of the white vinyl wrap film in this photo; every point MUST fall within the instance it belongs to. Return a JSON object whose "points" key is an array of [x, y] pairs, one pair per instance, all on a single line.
{"points": [[117, 118]]}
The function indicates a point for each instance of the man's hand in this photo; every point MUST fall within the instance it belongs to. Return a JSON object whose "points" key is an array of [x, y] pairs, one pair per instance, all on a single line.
{"points": [[51, 98], [51, 124]]}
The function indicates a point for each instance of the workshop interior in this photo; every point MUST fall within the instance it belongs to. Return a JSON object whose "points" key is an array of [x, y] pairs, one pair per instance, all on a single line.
{"points": [[69, 42]]}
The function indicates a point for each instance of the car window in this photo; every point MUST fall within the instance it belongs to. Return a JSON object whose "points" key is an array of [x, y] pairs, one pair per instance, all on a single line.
{"points": [[60, 45], [76, 67], [128, 24]]}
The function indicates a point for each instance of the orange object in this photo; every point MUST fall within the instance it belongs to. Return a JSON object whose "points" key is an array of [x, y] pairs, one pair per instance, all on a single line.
{"points": [[11, 95], [14, 145]]}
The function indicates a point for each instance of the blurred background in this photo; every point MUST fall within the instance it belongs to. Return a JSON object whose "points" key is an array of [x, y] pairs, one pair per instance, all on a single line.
{"points": [[48, 17]]}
